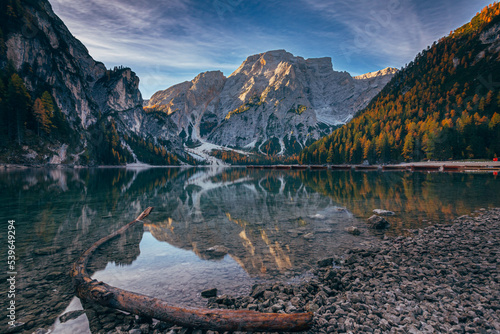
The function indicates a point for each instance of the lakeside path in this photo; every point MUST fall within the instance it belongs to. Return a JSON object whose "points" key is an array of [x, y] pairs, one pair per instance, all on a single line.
{"points": [[463, 163], [442, 279], [472, 164]]}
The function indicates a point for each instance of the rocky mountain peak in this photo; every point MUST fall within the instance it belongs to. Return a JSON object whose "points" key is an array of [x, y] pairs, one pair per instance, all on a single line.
{"points": [[211, 81], [118, 90], [274, 100], [262, 64], [380, 73], [323, 64], [187, 95], [269, 62]]}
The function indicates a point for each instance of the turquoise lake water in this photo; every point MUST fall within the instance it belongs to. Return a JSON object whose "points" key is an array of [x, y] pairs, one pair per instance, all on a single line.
{"points": [[267, 225]]}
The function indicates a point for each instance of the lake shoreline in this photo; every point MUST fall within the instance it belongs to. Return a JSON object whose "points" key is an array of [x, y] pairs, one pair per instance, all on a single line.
{"points": [[447, 166], [59, 213], [443, 278]]}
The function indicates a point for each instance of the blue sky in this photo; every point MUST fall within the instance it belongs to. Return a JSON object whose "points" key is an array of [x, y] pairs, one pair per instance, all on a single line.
{"points": [[169, 41]]}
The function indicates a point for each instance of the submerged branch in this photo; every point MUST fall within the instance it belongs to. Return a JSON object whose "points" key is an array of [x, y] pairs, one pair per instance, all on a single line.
{"points": [[213, 319]]}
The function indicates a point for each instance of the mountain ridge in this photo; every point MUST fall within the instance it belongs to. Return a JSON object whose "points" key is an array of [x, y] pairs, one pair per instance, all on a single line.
{"points": [[60, 106], [272, 99]]}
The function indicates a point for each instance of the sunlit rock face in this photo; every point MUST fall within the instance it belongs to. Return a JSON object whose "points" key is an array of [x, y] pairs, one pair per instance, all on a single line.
{"points": [[272, 96]]}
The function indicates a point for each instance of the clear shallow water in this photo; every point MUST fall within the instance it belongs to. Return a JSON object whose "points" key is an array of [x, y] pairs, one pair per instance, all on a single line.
{"points": [[274, 225]]}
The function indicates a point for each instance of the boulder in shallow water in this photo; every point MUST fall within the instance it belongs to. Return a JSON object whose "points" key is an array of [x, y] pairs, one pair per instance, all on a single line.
{"points": [[216, 252], [378, 222], [381, 212]]}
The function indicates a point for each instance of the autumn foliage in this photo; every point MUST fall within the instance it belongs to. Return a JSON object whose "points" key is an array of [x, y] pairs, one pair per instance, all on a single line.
{"points": [[443, 105]]}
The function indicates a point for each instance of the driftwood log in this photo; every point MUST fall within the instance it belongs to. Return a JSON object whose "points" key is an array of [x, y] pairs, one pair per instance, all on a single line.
{"points": [[213, 319]]}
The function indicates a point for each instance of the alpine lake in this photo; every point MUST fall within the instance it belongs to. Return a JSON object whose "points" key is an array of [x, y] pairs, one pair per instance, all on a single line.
{"points": [[226, 228]]}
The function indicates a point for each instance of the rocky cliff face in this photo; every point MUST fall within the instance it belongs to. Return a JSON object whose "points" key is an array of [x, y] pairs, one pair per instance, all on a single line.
{"points": [[48, 57], [42, 49], [273, 103], [189, 102]]}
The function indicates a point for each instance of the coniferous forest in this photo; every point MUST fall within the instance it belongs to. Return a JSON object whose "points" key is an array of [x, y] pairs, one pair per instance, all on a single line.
{"points": [[443, 105]]}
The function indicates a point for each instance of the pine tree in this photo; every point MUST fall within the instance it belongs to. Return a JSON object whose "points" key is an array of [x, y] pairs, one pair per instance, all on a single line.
{"points": [[330, 157], [42, 117], [48, 104], [408, 147]]}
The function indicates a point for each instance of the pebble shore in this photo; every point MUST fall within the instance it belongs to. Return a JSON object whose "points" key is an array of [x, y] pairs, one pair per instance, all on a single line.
{"points": [[441, 279]]}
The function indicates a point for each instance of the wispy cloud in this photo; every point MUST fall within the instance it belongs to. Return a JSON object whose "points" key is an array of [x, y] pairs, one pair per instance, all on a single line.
{"points": [[389, 28], [169, 41], [156, 38], [393, 30]]}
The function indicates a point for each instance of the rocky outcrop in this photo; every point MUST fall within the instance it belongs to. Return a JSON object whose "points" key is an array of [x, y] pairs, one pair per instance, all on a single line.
{"points": [[118, 91], [273, 99], [353, 230], [382, 212], [48, 57]]}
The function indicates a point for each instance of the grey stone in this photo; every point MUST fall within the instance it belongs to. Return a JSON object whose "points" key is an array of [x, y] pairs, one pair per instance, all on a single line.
{"points": [[381, 212], [377, 222], [135, 331], [217, 251], [71, 315], [325, 262], [353, 230], [257, 290], [18, 326], [252, 307], [209, 293], [269, 295]]}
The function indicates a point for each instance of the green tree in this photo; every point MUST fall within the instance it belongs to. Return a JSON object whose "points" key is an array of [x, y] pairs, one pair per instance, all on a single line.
{"points": [[48, 103], [3, 114], [367, 149], [494, 129], [429, 145], [18, 108], [382, 147]]}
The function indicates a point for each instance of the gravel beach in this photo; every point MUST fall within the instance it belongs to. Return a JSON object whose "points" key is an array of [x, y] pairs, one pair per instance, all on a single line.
{"points": [[441, 279]]}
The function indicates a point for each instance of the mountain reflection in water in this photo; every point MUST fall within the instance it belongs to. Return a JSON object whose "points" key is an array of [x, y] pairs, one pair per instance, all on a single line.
{"points": [[272, 224]]}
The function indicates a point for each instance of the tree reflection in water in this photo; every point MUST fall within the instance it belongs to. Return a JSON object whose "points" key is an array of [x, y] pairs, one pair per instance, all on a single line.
{"points": [[271, 223]]}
